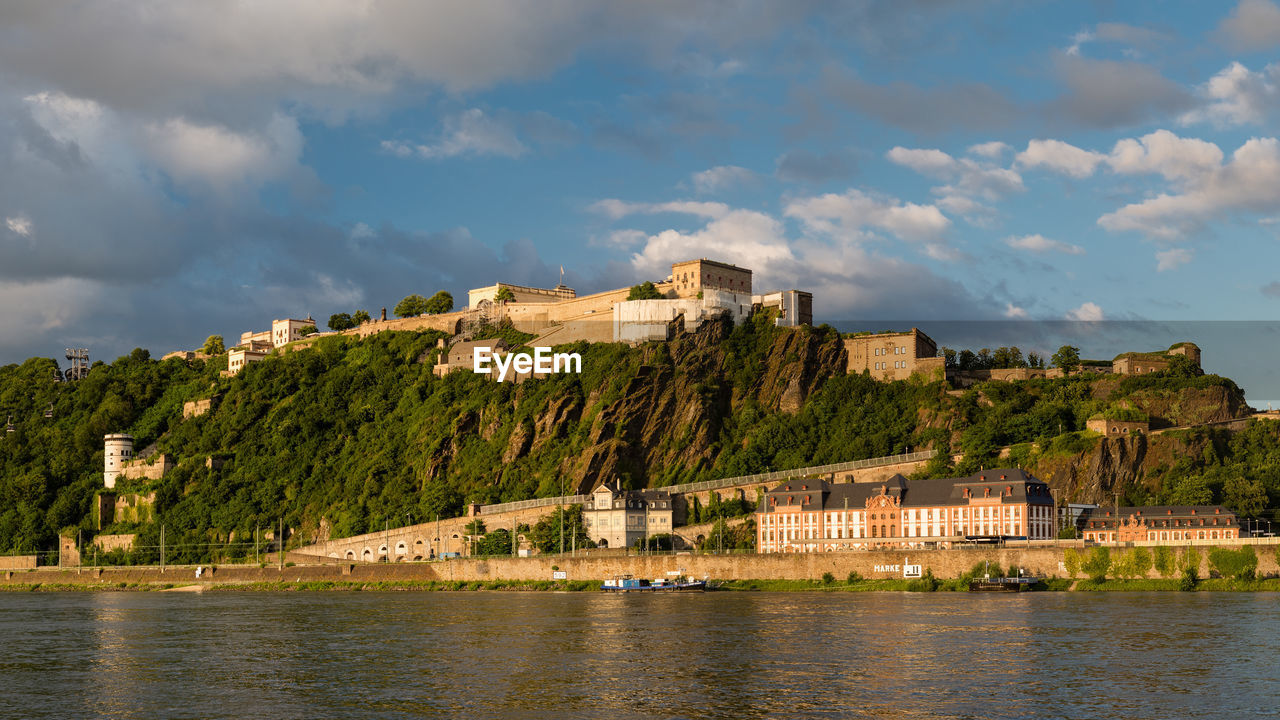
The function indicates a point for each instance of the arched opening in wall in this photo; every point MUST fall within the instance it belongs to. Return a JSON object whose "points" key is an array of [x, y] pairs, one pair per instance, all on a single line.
{"points": [[417, 558], [701, 539], [402, 548], [367, 555], [382, 553], [604, 543], [351, 555], [419, 548]]}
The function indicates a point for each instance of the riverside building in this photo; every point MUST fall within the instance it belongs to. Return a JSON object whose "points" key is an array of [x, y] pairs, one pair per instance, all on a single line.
{"points": [[813, 515], [1163, 524]]}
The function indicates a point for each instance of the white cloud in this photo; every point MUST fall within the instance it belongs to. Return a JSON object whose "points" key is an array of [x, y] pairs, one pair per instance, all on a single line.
{"points": [[1237, 96], [616, 209], [469, 133], [850, 214], [1249, 182], [19, 225], [1014, 312], [945, 253], [194, 153], [1060, 157], [721, 177], [1162, 152], [991, 150], [1172, 258], [1040, 244], [969, 180], [1088, 312]]}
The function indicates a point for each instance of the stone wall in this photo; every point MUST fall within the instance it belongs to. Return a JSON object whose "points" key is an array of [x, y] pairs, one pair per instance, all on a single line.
{"points": [[107, 543], [151, 468], [196, 408], [17, 562]]}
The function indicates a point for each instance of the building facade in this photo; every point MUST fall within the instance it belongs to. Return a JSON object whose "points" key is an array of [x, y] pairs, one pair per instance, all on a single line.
{"points": [[615, 518], [795, 307], [1139, 363], [461, 355], [893, 356], [1117, 428], [239, 357], [286, 331], [691, 277], [1159, 524], [813, 515]]}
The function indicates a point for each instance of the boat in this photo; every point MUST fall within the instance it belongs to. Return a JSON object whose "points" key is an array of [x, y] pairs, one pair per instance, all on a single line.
{"points": [[1007, 584], [675, 582]]}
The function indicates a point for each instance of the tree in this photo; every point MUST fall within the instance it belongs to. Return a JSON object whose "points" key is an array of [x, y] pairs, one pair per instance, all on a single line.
{"points": [[441, 302], [1035, 361], [341, 321], [360, 317], [411, 305], [1097, 564], [214, 345], [1067, 358], [545, 534], [1245, 495], [504, 295], [644, 291], [308, 330]]}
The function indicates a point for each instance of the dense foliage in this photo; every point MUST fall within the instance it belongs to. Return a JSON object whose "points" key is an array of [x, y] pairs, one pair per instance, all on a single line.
{"points": [[359, 433]]}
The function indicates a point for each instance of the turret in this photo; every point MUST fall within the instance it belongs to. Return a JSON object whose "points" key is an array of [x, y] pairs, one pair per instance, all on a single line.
{"points": [[118, 449]]}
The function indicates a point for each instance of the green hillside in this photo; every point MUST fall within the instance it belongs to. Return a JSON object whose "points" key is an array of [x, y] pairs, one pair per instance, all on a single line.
{"points": [[356, 433]]}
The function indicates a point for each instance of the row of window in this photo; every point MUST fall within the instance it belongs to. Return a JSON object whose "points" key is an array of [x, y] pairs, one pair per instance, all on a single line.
{"points": [[897, 364], [897, 350]]}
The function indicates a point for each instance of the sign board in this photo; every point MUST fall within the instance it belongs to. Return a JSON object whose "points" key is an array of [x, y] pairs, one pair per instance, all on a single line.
{"points": [[559, 575], [911, 571]]}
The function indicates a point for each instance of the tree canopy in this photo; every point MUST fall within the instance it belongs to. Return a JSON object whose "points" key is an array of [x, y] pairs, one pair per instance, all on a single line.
{"points": [[644, 291], [214, 345]]}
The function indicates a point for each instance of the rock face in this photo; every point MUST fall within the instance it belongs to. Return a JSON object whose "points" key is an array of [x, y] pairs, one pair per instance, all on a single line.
{"points": [[664, 418], [668, 413]]}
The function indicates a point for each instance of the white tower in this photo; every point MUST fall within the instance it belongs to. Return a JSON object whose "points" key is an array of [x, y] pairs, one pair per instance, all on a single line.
{"points": [[118, 449]]}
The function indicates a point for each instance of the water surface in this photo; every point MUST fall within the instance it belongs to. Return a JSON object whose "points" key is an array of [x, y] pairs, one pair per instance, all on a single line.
{"points": [[721, 655]]}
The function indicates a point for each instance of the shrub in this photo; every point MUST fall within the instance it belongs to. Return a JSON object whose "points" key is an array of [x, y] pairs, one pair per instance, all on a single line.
{"points": [[1139, 561], [1239, 564], [1163, 560], [828, 578], [1098, 563], [1071, 561], [1191, 560], [1188, 581], [853, 577]]}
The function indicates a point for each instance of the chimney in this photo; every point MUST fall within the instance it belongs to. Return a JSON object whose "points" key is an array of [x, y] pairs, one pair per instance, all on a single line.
{"points": [[384, 314]]}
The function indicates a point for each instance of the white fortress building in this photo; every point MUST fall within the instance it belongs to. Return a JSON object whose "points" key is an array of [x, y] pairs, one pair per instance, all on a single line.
{"points": [[118, 449]]}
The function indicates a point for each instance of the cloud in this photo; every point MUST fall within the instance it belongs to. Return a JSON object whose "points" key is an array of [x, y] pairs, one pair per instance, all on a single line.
{"points": [[1088, 312], [616, 209], [1170, 259], [816, 168], [926, 110], [1253, 25], [1237, 96], [969, 180], [469, 133], [1109, 93], [721, 177], [1249, 182], [1133, 36], [1162, 152], [19, 225], [1041, 244], [1271, 289], [195, 154], [848, 281], [1060, 157], [849, 215], [990, 150], [1014, 312]]}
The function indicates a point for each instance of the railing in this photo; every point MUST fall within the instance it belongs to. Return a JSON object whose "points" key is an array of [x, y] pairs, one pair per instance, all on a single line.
{"points": [[774, 476], [534, 503]]}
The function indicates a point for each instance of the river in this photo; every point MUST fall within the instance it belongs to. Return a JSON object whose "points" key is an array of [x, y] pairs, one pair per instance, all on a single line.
{"points": [[569, 655]]}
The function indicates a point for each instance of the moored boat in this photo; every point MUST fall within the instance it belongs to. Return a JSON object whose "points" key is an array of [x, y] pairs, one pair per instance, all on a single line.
{"points": [[677, 583], [1007, 584]]}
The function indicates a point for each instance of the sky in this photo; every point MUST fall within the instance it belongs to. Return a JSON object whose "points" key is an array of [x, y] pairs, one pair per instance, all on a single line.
{"points": [[174, 170]]}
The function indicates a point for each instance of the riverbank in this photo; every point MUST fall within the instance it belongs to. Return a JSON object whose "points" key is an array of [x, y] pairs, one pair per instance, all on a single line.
{"points": [[36, 583]]}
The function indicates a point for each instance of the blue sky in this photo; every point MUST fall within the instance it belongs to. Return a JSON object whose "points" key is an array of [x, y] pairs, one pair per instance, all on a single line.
{"points": [[171, 171]]}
